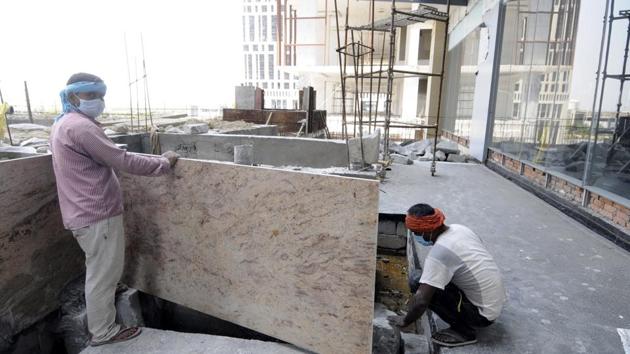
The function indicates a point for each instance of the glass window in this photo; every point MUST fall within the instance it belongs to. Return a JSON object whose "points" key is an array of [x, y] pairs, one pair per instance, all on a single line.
{"points": [[263, 19], [252, 29], [272, 69], [249, 66], [274, 29], [261, 66], [459, 89], [546, 92]]}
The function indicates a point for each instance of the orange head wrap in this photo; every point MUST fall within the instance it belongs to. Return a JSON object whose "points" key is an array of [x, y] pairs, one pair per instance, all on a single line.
{"points": [[425, 223]]}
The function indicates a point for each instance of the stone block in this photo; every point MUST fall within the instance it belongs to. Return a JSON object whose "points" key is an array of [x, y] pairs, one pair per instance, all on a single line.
{"points": [[415, 343], [173, 130], [440, 155], [401, 229], [401, 159], [128, 310], [456, 158], [392, 242], [287, 254], [387, 227], [386, 338], [448, 147], [197, 128], [37, 255], [371, 147]]}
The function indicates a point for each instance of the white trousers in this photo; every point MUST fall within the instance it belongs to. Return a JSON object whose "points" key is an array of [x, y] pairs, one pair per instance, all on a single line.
{"points": [[104, 247]]}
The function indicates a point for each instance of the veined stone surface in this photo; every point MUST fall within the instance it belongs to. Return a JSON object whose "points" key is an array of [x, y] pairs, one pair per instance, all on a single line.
{"points": [[288, 254], [37, 256]]}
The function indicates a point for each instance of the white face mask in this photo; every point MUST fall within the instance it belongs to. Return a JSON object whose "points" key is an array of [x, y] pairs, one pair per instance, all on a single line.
{"points": [[92, 108]]}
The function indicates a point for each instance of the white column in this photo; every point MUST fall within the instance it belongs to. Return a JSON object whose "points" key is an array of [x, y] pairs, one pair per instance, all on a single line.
{"points": [[484, 100], [435, 65], [410, 85]]}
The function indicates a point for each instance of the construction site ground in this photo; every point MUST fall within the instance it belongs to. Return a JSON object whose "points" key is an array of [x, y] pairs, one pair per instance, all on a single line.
{"points": [[568, 287]]}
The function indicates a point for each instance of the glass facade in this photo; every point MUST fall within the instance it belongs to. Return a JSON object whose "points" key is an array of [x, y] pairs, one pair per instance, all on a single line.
{"points": [[547, 90], [461, 69]]}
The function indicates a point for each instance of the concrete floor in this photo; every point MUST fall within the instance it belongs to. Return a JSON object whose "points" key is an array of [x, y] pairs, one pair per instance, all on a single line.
{"points": [[154, 341], [568, 288]]}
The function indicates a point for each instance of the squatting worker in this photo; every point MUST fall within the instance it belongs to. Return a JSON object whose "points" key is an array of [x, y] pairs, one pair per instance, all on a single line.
{"points": [[460, 281], [85, 161]]}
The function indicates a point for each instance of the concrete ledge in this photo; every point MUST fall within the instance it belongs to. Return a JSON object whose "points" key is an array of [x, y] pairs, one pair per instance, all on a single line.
{"points": [[268, 150], [153, 341]]}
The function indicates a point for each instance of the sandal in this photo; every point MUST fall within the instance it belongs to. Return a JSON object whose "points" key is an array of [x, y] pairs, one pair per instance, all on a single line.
{"points": [[123, 335], [451, 338]]}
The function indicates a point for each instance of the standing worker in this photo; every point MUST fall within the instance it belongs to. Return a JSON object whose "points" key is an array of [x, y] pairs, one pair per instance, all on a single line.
{"points": [[85, 161], [460, 281]]}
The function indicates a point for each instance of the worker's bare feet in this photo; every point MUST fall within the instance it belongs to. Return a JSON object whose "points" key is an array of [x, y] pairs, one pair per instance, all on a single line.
{"points": [[123, 335]]}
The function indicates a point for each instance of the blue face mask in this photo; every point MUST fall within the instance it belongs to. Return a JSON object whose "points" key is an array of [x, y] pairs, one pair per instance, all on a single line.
{"points": [[92, 108], [421, 240]]}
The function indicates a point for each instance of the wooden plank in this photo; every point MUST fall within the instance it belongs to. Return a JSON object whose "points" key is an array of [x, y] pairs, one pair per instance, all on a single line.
{"points": [[285, 253]]}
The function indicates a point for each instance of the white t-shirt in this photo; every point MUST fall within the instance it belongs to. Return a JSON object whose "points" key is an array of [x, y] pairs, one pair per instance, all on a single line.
{"points": [[460, 256]]}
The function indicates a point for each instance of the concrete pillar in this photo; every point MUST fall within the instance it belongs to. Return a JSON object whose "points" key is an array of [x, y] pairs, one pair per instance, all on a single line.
{"points": [[484, 100], [435, 66]]}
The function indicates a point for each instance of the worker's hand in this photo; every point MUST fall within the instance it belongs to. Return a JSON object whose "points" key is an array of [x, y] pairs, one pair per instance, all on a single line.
{"points": [[172, 157], [398, 321]]}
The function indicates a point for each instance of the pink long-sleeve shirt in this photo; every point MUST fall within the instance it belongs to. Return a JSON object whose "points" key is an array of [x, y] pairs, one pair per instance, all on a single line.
{"points": [[84, 161]]}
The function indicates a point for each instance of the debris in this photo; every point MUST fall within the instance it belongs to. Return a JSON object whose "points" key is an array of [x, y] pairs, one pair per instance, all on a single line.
{"points": [[426, 157], [19, 149], [401, 159], [120, 128], [385, 337], [42, 149], [73, 321], [197, 128], [418, 148], [34, 142], [28, 127], [128, 309], [109, 132], [440, 155], [448, 147], [173, 130], [456, 158], [415, 343]]}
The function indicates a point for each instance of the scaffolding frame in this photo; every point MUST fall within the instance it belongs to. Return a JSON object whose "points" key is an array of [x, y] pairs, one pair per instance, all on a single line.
{"points": [[607, 30], [356, 50]]}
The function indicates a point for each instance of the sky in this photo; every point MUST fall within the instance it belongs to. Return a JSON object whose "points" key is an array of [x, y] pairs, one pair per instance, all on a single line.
{"points": [[192, 50]]}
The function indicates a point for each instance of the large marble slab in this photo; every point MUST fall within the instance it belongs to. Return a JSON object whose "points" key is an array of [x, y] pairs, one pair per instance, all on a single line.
{"points": [[285, 253], [37, 256]]}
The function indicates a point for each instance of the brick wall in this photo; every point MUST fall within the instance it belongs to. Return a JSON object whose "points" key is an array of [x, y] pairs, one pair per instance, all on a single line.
{"points": [[535, 175], [598, 205], [610, 210], [512, 164], [455, 138], [495, 157], [566, 189]]}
